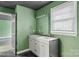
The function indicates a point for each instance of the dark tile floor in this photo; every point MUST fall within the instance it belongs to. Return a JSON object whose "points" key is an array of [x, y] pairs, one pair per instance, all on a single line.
{"points": [[27, 54]]}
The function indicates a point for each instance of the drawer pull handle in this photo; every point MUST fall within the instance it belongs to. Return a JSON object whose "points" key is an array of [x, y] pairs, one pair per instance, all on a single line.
{"points": [[35, 50], [35, 43]]}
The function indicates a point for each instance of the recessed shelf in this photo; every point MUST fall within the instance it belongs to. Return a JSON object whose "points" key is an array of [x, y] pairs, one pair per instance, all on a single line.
{"points": [[4, 48], [5, 37]]}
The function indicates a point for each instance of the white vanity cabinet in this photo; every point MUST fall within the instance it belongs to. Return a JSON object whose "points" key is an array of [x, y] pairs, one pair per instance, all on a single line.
{"points": [[40, 45], [34, 44]]}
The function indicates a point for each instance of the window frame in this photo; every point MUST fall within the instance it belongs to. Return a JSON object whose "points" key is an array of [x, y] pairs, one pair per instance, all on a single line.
{"points": [[75, 17]]}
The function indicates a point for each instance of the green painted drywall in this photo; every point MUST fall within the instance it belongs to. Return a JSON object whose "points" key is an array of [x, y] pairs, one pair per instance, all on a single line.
{"points": [[5, 28], [46, 9], [42, 25], [69, 45], [7, 10], [25, 26]]}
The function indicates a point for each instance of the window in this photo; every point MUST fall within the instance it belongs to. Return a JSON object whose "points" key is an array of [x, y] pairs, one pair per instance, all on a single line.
{"points": [[64, 19]]}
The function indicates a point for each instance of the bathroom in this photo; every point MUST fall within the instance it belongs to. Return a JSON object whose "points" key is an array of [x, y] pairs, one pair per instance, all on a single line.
{"points": [[35, 18]]}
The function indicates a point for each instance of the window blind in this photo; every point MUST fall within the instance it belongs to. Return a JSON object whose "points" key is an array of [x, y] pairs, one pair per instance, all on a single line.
{"points": [[63, 17]]}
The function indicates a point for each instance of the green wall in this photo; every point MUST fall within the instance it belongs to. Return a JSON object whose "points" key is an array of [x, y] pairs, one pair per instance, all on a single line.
{"points": [[7, 10], [5, 28], [42, 25], [25, 26], [69, 45]]}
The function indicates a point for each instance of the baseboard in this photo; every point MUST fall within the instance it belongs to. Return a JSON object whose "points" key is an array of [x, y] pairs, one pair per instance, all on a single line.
{"points": [[19, 52]]}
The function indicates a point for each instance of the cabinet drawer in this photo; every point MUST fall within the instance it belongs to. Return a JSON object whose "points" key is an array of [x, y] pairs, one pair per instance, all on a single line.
{"points": [[37, 47]]}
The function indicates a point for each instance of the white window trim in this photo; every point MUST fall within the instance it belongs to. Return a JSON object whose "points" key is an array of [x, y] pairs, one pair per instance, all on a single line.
{"points": [[63, 32], [8, 14]]}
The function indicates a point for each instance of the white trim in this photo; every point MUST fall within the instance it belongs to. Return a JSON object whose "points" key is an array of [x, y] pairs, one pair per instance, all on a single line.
{"points": [[76, 25], [22, 51], [4, 13], [64, 33]]}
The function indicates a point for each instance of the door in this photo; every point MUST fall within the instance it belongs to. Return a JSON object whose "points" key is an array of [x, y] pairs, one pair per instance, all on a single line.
{"points": [[31, 44], [44, 50]]}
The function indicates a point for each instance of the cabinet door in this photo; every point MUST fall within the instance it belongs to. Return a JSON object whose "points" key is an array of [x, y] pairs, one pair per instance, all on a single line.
{"points": [[44, 50], [31, 44]]}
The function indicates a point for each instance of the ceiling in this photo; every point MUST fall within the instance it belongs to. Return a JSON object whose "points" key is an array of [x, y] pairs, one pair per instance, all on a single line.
{"points": [[30, 4]]}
